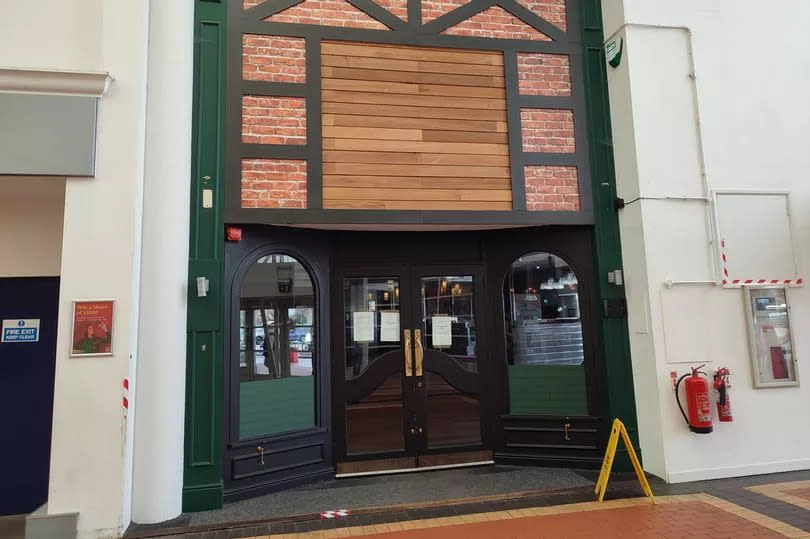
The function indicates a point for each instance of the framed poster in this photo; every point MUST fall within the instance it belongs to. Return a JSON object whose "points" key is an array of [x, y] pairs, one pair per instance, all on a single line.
{"points": [[92, 333], [770, 339]]}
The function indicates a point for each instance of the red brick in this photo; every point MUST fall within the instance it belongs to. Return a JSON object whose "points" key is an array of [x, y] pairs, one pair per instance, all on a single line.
{"points": [[397, 7], [327, 13], [544, 74], [551, 10], [548, 130], [274, 120], [273, 58], [432, 9], [495, 22], [274, 183], [552, 188]]}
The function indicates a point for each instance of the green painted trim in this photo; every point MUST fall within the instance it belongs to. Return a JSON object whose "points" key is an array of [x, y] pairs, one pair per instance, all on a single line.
{"points": [[276, 406], [203, 488], [202, 497], [547, 390], [615, 341]]}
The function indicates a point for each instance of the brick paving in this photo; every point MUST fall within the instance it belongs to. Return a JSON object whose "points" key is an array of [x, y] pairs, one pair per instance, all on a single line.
{"points": [[775, 505], [694, 516], [800, 492]]}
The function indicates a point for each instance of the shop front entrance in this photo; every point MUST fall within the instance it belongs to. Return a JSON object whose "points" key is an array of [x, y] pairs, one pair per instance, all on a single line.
{"points": [[406, 367], [359, 352]]}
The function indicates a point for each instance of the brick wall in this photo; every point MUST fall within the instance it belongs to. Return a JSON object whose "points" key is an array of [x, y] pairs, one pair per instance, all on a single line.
{"points": [[272, 58], [432, 9], [397, 7], [548, 130], [552, 188], [544, 74], [274, 183], [327, 13], [551, 10], [274, 120], [496, 23], [282, 183]]}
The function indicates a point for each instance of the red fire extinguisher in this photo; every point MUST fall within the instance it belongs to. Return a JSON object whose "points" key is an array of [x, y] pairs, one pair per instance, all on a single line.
{"points": [[722, 386], [697, 401]]}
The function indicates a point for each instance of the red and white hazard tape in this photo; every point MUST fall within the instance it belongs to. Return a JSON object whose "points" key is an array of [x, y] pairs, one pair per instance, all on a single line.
{"points": [[725, 260], [125, 396], [335, 514], [742, 282]]}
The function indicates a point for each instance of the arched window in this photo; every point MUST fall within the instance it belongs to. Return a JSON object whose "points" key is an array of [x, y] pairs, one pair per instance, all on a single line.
{"points": [[544, 337], [276, 348]]}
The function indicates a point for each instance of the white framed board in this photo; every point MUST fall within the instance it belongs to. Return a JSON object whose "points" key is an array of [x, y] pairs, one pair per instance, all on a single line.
{"points": [[754, 238]]}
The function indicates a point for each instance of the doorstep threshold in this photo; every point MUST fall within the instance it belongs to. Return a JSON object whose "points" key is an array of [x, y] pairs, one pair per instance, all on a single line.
{"points": [[584, 492], [415, 469]]}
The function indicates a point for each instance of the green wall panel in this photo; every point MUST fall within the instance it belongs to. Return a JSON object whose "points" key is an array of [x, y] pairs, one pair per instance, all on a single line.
{"points": [[618, 392], [276, 406], [547, 390], [202, 475]]}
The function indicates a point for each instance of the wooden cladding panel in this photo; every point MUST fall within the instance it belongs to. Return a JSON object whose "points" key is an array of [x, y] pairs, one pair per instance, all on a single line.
{"points": [[414, 128]]}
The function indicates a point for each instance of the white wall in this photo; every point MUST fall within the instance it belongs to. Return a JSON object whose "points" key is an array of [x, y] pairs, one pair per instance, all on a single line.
{"points": [[752, 68], [52, 34], [101, 245], [31, 211], [109, 226]]}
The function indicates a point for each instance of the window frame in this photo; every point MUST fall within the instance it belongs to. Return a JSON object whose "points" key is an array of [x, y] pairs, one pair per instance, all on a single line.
{"points": [[751, 334]]}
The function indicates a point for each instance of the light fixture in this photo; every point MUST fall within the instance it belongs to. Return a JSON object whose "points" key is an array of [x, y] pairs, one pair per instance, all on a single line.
{"points": [[284, 278]]}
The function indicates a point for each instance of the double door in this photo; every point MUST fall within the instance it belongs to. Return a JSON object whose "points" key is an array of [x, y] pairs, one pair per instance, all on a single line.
{"points": [[407, 390]]}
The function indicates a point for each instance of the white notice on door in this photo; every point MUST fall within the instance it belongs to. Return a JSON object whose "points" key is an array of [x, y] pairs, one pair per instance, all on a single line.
{"points": [[442, 331], [363, 326], [389, 326]]}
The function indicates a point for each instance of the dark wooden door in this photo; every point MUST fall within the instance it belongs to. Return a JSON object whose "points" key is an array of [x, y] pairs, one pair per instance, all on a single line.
{"points": [[406, 374]]}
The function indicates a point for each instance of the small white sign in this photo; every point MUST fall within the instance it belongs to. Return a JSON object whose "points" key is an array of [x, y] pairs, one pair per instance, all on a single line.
{"points": [[363, 326], [442, 327], [389, 326], [208, 198], [20, 330]]}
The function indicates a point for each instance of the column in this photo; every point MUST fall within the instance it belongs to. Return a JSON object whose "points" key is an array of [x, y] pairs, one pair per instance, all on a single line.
{"points": [[160, 382]]}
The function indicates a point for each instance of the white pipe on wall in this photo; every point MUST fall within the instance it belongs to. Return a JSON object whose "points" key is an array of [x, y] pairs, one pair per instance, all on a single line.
{"points": [[159, 388], [710, 214]]}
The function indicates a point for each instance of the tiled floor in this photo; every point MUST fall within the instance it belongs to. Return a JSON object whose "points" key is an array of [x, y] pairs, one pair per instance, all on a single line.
{"points": [[695, 516], [793, 492], [775, 505]]}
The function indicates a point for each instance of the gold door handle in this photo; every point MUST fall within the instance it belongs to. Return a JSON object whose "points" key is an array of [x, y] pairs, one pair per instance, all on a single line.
{"points": [[260, 451], [419, 352], [406, 337], [567, 426]]}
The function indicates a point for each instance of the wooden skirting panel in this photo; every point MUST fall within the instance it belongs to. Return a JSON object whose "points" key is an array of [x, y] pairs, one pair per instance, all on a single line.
{"points": [[414, 128]]}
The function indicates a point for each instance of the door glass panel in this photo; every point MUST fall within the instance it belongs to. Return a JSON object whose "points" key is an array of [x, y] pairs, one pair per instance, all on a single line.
{"points": [[276, 346], [544, 337], [453, 418], [376, 423], [371, 321], [447, 318]]}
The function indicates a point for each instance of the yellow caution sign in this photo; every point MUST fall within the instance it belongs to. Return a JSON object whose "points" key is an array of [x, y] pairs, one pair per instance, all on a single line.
{"points": [[610, 454]]}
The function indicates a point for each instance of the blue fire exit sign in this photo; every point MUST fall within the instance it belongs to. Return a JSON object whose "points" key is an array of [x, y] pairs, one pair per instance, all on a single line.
{"points": [[20, 330]]}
